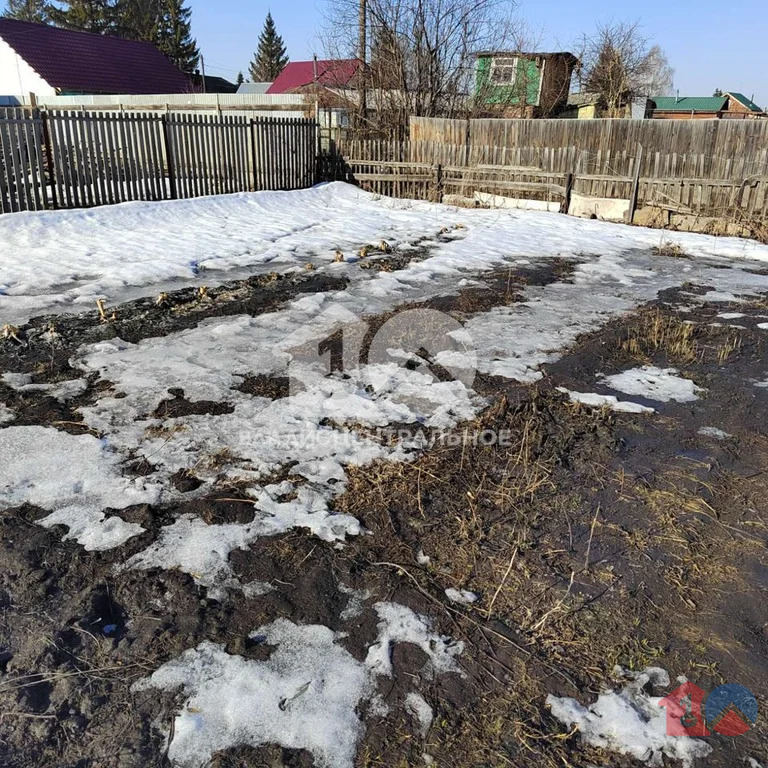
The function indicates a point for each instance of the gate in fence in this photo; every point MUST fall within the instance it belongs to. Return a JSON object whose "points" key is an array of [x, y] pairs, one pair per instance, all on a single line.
{"points": [[76, 159]]}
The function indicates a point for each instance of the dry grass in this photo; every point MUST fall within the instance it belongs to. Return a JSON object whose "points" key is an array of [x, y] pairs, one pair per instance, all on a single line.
{"points": [[670, 250], [654, 332], [578, 565]]}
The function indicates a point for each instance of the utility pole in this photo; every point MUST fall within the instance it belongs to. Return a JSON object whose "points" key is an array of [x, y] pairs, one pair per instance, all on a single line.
{"points": [[362, 55], [202, 64]]}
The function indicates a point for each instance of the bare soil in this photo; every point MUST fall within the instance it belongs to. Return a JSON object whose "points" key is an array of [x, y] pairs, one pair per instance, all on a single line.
{"points": [[594, 539]]}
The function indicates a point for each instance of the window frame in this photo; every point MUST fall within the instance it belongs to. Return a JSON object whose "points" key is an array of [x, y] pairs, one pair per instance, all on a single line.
{"points": [[504, 63]]}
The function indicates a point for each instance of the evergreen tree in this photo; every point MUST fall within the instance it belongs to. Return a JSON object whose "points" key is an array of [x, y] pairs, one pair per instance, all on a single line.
{"points": [[270, 60], [26, 10], [240, 78], [87, 15], [174, 35], [138, 19]]}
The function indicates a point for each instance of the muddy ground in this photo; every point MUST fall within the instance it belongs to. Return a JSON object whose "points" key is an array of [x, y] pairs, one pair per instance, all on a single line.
{"points": [[595, 539]]}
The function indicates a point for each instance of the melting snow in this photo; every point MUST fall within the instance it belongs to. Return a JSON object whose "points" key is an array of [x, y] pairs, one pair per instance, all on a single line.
{"points": [[662, 384], [304, 696], [62, 391], [463, 596], [630, 722], [714, 432], [67, 259], [602, 401], [418, 707], [74, 477], [6, 415]]}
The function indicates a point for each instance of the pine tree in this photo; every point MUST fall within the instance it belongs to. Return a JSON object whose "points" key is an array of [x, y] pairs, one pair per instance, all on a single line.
{"points": [[240, 78], [27, 10], [87, 15], [270, 60], [138, 19], [174, 35]]}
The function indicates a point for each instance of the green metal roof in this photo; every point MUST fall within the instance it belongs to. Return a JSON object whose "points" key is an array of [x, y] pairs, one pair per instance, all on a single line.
{"points": [[690, 103], [748, 103]]}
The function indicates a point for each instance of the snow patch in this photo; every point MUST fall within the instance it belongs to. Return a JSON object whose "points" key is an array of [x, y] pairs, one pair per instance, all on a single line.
{"points": [[418, 707], [62, 391], [398, 624], [73, 477], [603, 401], [193, 546], [6, 415], [304, 696], [714, 432], [630, 722], [357, 599], [662, 384], [463, 596], [68, 259]]}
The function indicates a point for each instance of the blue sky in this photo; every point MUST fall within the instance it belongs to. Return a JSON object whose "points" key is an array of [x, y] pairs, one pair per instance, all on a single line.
{"points": [[708, 44]]}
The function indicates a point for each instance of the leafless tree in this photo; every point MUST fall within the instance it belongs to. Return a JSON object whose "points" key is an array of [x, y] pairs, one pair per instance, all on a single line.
{"points": [[420, 53], [619, 64]]}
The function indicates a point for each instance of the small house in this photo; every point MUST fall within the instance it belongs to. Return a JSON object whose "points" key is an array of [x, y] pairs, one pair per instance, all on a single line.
{"points": [[49, 61], [334, 75], [589, 106], [517, 84], [729, 106]]}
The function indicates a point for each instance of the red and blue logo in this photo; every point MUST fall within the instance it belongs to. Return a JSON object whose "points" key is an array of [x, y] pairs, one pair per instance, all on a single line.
{"points": [[730, 710]]}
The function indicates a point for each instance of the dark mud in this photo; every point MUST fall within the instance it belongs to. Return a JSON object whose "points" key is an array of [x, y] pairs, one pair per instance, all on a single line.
{"points": [[591, 538]]}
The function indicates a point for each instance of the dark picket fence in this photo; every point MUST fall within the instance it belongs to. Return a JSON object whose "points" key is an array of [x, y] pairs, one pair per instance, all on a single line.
{"points": [[22, 174], [76, 159]]}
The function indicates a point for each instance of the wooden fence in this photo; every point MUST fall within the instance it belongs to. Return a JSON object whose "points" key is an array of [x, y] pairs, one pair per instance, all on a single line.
{"points": [[710, 149], [21, 162], [74, 159], [664, 164]]}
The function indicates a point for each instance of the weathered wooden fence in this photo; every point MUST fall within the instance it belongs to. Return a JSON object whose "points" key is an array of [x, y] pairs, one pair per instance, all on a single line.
{"points": [[22, 174], [711, 149], [74, 159], [664, 164]]}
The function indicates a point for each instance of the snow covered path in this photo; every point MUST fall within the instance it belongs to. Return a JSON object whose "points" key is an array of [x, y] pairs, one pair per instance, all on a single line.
{"points": [[62, 260]]}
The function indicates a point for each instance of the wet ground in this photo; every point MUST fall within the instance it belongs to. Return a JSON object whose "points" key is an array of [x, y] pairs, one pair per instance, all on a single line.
{"points": [[592, 539]]}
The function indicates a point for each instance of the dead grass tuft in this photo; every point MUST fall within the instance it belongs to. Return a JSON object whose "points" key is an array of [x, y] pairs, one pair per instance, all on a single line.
{"points": [[670, 250], [653, 332]]}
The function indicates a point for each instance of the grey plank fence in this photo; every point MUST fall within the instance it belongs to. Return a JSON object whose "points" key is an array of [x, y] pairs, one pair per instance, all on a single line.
{"points": [[22, 174], [544, 168], [77, 159]]}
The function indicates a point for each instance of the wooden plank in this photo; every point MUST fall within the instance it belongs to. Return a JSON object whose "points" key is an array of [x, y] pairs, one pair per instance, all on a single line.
{"points": [[18, 202]]}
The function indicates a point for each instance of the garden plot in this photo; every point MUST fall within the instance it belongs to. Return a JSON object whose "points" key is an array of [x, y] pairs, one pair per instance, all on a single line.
{"points": [[230, 488]]}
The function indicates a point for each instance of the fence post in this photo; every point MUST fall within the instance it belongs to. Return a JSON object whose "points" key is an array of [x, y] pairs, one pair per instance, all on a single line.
{"points": [[48, 150], [568, 191], [438, 182], [635, 185], [254, 155], [169, 156]]}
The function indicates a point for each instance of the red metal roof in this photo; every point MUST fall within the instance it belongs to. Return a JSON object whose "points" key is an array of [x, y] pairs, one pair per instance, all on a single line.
{"points": [[334, 73], [83, 62]]}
